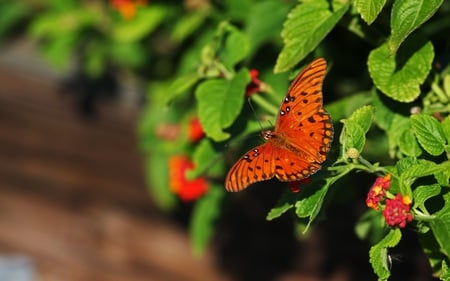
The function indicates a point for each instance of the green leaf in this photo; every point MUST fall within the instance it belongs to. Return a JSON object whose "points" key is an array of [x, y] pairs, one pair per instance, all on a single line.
{"points": [[188, 24], [445, 272], [284, 204], [70, 22], [399, 124], [407, 16], [441, 228], [145, 22], [181, 85], [158, 181], [363, 117], [445, 124], [422, 168], [265, 21], [310, 206], [408, 144], [352, 136], [205, 213], [369, 9], [202, 157], [401, 82], [220, 102], [424, 192], [236, 45], [128, 54], [306, 26], [379, 253], [58, 50], [355, 128], [313, 198], [429, 133], [405, 163]]}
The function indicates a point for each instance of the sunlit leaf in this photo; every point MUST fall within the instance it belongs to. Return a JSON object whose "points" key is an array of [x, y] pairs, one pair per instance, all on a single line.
{"points": [[306, 26], [407, 16], [369, 9], [400, 82]]}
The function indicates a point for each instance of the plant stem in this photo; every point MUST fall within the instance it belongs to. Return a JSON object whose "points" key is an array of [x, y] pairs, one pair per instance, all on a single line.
{"points": [[269, 107]]}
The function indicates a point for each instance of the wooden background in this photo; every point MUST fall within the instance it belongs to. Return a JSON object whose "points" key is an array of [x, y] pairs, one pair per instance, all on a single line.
{"points": [[72, 192]]}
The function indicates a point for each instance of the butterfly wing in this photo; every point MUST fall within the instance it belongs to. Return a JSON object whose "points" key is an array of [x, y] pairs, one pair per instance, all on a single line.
{"points": [[290, 166], [304, 127], [302, 136], [256, 165]]}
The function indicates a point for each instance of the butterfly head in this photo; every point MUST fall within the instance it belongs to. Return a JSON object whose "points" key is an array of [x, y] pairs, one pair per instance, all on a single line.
{"points": [[267, 134]]}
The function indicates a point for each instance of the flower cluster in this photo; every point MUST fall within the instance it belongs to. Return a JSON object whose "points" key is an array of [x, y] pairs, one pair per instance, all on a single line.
{"points": [[187, 190], [190, 133], [377, 192], [127, 8], [396, 209]]}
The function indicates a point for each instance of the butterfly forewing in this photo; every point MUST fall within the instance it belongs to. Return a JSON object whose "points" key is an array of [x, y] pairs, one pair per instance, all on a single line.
{"points": [[302, 121]]}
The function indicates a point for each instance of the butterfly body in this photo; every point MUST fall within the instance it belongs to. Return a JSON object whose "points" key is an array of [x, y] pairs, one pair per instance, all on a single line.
{"points": [[302, 136]]}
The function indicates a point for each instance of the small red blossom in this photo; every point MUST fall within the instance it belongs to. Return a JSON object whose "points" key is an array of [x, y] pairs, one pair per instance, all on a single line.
{"points": [[127, 8], [196, 132], [187, 190], [397, 211], [377, 192], [255, 84]]}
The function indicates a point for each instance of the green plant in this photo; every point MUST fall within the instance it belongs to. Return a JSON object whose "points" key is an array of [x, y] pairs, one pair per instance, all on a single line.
{"points": [[397, 130], [387, 90]]}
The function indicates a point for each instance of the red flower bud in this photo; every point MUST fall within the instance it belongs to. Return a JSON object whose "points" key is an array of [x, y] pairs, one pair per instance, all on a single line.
{"points": [[255, 84], [196, 132]]}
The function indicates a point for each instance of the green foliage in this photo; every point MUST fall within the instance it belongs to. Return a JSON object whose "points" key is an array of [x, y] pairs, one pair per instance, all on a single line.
{"points": [[407, 16], [400, 83], [379, 254], [205, 213], [387, 90], [369, 9], [355, 128], [429, 133], [220, 102], [305, 27]]}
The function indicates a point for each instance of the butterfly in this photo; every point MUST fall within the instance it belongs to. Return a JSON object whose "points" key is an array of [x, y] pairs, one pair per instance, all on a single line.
{"points": [[302, 136]]}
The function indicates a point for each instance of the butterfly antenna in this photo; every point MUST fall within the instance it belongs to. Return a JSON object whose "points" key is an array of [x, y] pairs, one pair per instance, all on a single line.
{"points": [[243, 138], [254, 112]]}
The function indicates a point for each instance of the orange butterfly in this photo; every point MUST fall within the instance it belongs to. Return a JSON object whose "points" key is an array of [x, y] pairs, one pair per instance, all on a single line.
{"points": [[302, 136]]}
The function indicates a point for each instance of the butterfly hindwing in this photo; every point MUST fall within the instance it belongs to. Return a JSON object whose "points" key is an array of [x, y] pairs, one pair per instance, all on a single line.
{"points": [[292, 167]]}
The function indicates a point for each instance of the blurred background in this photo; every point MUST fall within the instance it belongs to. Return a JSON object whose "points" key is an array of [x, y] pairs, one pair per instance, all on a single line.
{"points": [[74, 193]]}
